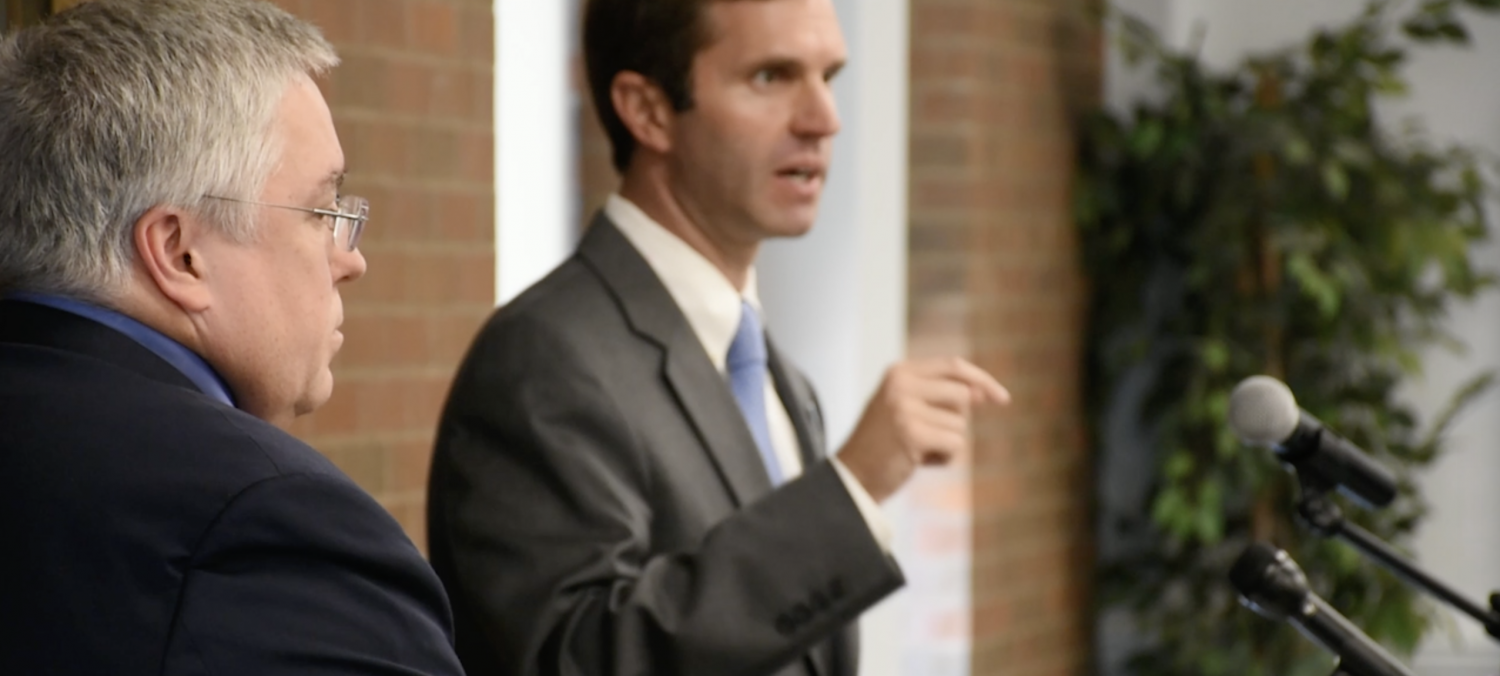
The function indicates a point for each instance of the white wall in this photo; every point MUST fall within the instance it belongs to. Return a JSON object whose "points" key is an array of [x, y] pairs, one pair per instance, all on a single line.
{"points": [[836, 302], [536, 186], [1453, 98]]}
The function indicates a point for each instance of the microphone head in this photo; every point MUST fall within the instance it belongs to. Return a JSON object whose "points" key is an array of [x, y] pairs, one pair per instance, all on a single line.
{"points": [[1262, 411], [1269, 582]]}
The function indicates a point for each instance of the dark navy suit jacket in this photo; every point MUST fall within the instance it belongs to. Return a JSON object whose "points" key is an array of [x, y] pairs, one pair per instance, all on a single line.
{"points": [[149, 529]]}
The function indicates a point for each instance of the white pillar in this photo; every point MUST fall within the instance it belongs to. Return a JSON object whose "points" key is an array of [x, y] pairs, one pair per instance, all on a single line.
{"points": [[535, 139]]}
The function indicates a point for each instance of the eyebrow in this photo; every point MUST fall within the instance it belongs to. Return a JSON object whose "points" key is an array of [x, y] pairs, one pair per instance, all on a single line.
{"points": [[332, 180], [792, 64]]}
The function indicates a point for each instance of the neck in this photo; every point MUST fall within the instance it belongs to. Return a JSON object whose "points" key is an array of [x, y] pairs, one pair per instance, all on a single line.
{"points": [[143, 302], [647, 187]]}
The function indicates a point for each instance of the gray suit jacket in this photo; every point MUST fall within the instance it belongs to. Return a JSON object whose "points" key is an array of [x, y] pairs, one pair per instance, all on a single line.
{"points": [[598, 506]]}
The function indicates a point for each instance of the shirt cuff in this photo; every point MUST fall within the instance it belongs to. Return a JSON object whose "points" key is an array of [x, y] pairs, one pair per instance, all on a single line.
{"points": [[879, 524]]}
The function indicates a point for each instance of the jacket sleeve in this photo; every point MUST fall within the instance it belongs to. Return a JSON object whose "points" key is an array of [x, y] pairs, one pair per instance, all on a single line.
{"points": [[305, 574], [542, 523]]}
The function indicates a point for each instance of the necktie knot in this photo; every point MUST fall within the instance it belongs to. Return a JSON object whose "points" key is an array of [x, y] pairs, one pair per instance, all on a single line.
{"points": [[748, 350]]}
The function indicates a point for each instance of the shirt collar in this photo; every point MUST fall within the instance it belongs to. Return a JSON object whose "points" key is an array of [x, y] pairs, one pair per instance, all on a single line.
{"points": [[705, 296], [179, 356]]}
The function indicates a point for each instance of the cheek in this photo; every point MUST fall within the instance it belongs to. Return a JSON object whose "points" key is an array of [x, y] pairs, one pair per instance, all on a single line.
{"points": [[737, 135], [728, 162], [296, 294]]}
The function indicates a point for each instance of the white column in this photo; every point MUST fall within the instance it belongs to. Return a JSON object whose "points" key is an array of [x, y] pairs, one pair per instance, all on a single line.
{"points": [[836, 300], [535, 184]]}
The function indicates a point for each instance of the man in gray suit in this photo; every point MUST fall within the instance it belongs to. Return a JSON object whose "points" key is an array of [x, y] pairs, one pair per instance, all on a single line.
{"points": [[628, 477]]}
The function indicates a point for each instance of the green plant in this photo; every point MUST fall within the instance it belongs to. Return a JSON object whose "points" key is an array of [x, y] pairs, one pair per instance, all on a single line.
{"points": [[1261, 220]]}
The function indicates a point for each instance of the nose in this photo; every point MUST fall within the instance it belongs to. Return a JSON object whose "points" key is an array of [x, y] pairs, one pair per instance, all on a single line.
{"points": [[817, 113], [348, 266]]}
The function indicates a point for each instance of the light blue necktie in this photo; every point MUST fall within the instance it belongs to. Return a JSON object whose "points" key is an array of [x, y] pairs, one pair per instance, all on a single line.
{"points": [[747, 379]]}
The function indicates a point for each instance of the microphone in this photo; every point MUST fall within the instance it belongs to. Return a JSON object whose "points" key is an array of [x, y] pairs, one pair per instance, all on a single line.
{"points": [[1263, 412], [1271, 584]]}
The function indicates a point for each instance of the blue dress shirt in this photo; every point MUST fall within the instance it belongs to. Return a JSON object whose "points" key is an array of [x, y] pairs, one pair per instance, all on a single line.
{"points": [[188, 362]]}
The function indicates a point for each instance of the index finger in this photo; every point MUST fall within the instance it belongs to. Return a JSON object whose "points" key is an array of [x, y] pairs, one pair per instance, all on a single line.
{"points": [[984, 385]]}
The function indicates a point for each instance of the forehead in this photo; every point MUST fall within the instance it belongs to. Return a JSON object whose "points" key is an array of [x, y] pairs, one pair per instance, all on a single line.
{"points": [[753, 29], [311, 153]]}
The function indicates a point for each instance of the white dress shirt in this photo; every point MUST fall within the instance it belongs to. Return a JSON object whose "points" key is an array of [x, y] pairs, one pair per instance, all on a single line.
{"points": [[712, 307]]}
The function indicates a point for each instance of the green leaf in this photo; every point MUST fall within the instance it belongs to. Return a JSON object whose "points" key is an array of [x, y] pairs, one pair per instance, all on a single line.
{"points": [[1170, 510], [1313, 283], [1146, 138], [1391, 85], [1214, 353], [1210, 520], [1335, 181], [1296, 151], [1178, 466]]}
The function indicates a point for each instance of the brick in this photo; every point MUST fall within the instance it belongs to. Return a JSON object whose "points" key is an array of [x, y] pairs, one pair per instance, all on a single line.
{"points": [[940, 150], [409, 510], [476, 33], [338, 19], [434, 28], [383, 23], [946, 62], [410, 465], [359, 81], [363, 462], [450, 93], [336, 417], [408, 88]]}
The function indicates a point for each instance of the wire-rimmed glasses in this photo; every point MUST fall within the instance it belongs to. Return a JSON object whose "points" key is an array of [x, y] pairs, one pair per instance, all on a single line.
{"points": [[349, 215]]}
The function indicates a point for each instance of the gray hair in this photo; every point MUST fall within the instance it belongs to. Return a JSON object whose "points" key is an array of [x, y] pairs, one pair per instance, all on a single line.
{"points": [[117, 106]]}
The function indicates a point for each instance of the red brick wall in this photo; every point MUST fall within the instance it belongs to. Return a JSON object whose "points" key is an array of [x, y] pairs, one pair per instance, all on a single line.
{"points": [[994, 275], [413, 106]]}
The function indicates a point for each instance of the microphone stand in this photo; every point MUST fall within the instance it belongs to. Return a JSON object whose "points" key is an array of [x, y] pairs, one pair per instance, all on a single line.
{"points": [[1324, 518]]}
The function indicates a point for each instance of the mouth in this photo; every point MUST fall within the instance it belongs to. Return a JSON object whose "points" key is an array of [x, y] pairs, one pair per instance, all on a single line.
{"points": [[804, 174], [805, 179]]}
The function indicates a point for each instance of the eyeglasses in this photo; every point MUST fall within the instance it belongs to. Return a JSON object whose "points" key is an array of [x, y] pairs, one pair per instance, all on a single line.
{"points": [[349, 216]]}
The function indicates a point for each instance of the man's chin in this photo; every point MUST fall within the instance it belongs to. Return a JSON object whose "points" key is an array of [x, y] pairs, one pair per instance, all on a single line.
{"points": [[317, 395], [792, 224], [794, 229]]}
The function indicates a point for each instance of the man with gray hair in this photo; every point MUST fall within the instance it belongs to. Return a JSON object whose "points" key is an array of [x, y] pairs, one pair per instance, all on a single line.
{"points": [[172, 243]]}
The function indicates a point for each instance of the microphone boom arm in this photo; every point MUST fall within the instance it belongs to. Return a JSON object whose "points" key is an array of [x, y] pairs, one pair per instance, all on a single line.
{"points": [[1324, 518]]}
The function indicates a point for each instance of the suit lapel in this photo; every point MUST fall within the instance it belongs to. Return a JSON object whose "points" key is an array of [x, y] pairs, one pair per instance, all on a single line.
{"points": [[801, 406], [701, 393]]}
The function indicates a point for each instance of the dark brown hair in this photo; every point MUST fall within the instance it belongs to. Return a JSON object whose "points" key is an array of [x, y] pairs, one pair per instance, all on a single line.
{"points": [[656, 38]]}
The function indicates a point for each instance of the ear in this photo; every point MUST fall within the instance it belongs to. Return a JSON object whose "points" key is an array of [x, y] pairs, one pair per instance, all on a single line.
{"points": [[645, 110], [168, 246]]}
